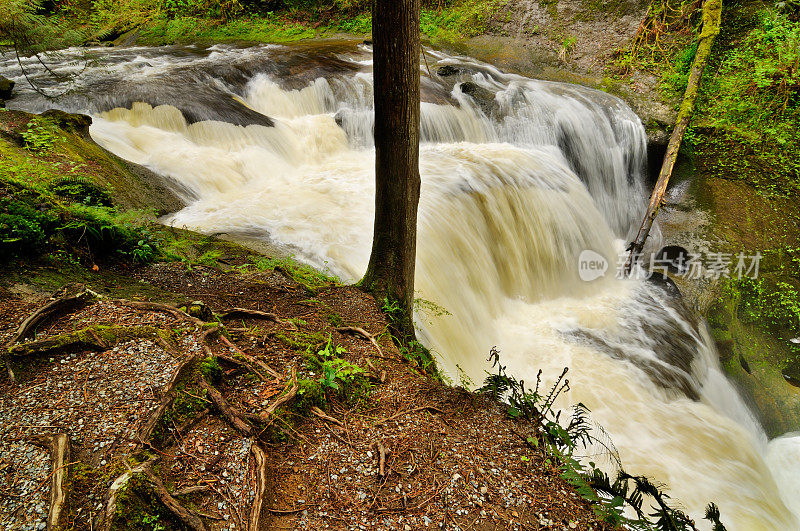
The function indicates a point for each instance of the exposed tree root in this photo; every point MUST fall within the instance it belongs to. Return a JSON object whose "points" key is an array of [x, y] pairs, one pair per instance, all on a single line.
{"points": [[50, 310], [168, 396], [158, 307], [260, 458], [231, 414], [98, 337], [317, 412], [190, 519], [113, 492], [278, 402], [249, 361], [363, 333], [59, 454], [234, 313]]}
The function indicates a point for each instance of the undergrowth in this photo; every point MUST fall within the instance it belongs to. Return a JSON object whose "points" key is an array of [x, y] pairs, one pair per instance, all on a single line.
{"points": [[560, 440]]}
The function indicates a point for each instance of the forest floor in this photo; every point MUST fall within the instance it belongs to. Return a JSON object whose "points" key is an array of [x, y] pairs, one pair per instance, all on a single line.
{"points": [[172, 417]]}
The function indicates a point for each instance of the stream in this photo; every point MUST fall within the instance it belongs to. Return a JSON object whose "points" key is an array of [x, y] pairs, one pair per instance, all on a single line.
{"points": [[519, 178]]}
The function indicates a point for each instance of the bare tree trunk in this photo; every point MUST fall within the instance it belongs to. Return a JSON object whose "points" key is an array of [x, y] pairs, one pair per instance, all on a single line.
{"points": [[712, 19], [396, 45]]}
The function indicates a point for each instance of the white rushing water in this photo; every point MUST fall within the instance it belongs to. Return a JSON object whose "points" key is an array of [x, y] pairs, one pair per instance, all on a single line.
{"points": [[518, 178]]}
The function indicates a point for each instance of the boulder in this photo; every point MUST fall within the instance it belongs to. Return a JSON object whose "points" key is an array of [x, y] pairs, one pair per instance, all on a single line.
{"points": [[447, 70], [6, 88]]}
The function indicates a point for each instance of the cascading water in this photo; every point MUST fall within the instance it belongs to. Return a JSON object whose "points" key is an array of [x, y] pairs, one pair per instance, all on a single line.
{"points": [[518, 178]]}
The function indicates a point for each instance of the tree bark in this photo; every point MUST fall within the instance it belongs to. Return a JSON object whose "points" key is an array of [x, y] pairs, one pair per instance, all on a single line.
{"points": [[712, 19], [396, 46]]}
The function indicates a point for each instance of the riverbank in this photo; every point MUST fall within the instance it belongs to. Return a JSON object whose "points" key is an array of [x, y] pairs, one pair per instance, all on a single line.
{"points": [[225, 379]]}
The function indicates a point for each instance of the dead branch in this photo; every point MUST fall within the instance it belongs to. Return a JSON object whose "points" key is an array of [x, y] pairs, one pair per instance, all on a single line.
{"points": [[712, 16], [59, 454], [321, 414], [50, 310], [231, 414], [189, 519], [363, 333], [261, 485], [400, 414]]}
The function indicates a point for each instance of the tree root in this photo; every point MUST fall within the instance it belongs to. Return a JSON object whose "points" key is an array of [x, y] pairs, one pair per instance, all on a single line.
{"points": [[234, 313], [189, 519], [97, 337], [363, 333], [50, 310], [59, 454], [116, 487], [270, 411], [260, 485], [158, 307], [250, 362], [146, 431], [231, 414], [317, 412]]}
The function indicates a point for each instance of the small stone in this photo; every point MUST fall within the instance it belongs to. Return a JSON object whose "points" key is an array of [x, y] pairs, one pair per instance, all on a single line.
{"points": [[515, 514]]}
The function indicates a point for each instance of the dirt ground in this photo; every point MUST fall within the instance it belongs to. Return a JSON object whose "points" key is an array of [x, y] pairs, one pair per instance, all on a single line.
{"points": [[172, 421]]}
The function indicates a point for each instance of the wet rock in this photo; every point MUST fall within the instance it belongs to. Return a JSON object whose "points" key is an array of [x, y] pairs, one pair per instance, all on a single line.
{"points": [[6, 88], [76, 123], [483, 97], [744, 364], [447, 70], [127, 39]]}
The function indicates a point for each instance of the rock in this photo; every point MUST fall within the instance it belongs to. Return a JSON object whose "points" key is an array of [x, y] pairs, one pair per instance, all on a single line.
{"points": [[76, 123], [483, 97], [6, 88], [127, 39], [447, 70], [745, 365]]}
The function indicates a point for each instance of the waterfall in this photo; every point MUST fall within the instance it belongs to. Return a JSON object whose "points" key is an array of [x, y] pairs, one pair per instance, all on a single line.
{"points": [[519, 177]]}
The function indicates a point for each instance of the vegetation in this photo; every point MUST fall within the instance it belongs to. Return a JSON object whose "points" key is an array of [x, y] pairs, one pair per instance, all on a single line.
{"points": [[48, 205], [561, 439]]}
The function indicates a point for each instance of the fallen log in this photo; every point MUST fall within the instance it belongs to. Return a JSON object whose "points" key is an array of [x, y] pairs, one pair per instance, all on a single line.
{"points": [[712, 17]]}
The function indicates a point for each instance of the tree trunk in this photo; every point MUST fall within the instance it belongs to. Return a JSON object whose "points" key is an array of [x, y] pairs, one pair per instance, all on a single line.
{"points": [[396, 45], [712, 17]]}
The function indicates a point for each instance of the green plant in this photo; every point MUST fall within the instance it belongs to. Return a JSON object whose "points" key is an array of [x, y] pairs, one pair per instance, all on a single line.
{"points": [[337, 378], [41, 134], [559, 441]]}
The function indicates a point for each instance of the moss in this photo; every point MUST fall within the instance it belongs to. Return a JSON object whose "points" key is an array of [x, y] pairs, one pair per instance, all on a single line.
{"points": [[301, 341]]}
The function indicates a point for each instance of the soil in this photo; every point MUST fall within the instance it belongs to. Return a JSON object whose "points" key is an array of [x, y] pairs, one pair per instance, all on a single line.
{"points": [[404, 452]]}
